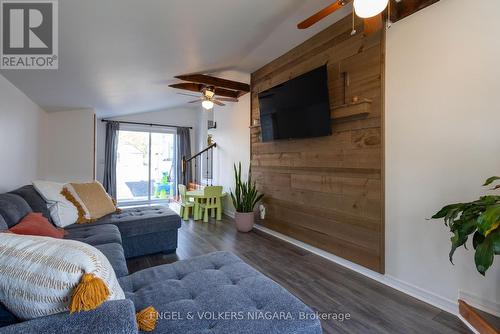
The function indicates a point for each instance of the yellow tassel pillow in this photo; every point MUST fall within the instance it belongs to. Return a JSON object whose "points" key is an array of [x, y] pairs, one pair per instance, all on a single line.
{"points": [[40, 276], [91, 200]]}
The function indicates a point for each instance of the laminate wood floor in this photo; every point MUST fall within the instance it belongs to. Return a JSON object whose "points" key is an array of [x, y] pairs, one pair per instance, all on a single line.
{"points": [[321, 284]]}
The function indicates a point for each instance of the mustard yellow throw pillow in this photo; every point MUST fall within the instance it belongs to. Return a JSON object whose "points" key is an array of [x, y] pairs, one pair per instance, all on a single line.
{"points": [[90, 199], [40, 276]]}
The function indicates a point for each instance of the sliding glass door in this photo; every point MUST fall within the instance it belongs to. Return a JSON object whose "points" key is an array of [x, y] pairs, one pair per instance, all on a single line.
{"points": [[145, 165]]}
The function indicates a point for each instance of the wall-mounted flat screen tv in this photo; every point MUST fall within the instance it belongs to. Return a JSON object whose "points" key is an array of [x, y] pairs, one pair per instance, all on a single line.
{"points": [[298, 108]]}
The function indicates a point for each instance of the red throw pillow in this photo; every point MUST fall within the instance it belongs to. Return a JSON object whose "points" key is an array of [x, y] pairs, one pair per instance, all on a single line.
{"points": [[36, 224]]}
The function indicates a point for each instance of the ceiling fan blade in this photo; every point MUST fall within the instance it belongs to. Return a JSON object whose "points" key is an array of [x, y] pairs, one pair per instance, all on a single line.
{"points": [[193, 87], [192, 95], [321, 14], [196, 101], [373, 24], [213, 81], [227, 99], [218, 103]]}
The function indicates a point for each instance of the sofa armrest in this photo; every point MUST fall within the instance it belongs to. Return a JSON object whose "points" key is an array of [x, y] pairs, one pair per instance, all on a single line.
{"points": [[114, 317]]}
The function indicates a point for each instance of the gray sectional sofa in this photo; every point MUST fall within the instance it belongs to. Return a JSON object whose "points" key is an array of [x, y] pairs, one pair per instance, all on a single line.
{"points": [[214, 293], [132, 232]]}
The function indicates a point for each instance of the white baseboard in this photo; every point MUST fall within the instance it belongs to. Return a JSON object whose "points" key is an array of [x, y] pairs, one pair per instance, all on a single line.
{"points": [[409, 289]]}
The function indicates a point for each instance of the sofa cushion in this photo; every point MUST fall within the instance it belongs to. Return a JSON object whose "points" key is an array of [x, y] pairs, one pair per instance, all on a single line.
{"points": [[3, 224], [34, 200], [145, 220], [6, 317], [114, 253], [112, 317], [95, 234], [144, 230], [151, 243], [13, 208], [214, 283]]}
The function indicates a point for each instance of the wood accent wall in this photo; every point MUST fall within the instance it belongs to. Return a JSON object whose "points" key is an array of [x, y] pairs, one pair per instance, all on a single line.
{"points": [[328, 191]]}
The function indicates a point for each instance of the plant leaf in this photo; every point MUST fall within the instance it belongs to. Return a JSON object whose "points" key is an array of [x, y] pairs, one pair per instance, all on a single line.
{"points": [[258, 199], [462, 230], [235, 203], [477, 239], [495, 239], [445, 210], [492, 228], [245, 195], [489, 220], [484, 255], [491, 180], [486, 200], [453, 214], [480, 218]]}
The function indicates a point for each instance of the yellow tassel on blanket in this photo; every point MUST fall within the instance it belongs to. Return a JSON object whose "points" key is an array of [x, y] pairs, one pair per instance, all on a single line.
{"points": [[146, 319], [89, 294]]}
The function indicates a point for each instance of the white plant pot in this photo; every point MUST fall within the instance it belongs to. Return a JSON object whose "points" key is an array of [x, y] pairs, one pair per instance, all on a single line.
{"points": [[244, 221]]}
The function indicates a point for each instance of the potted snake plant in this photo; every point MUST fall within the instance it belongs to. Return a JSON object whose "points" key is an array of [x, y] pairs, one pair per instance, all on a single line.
{"points": [[479, 219], [244, 196]]}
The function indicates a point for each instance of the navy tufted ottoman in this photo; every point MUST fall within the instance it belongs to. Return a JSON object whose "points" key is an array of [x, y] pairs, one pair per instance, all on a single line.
{"points": [[218, 293], [147, 230], [141, 230]]}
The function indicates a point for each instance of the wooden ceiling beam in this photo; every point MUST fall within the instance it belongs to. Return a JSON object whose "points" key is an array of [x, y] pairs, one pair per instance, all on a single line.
{"points": [[193, 87], [404, 8], [196, 87], [321, 14], [228, 93], [217, 82]]}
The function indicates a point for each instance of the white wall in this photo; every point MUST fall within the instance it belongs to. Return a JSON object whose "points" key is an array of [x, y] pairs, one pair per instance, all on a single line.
{"points": [[184, 116], [68, 146], [20, 137], [232, 136], [442, 141]]}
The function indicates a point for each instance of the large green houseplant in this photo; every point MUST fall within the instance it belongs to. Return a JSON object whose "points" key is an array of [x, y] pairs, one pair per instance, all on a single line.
{"points": [[244, 196], [481, 219]]}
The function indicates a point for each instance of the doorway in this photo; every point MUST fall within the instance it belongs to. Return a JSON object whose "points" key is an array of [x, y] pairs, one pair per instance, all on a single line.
{"points": [[146, 164]]}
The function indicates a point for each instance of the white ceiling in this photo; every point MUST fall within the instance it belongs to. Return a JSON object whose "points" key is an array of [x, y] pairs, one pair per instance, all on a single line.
{"points": [[118, 56]]}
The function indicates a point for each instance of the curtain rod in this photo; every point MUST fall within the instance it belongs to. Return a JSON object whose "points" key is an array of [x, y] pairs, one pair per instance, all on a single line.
{"points": [[148, 124]]}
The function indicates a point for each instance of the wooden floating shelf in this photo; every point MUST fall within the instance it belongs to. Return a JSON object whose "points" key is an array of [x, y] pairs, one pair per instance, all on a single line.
{"points": [[359, 108]]}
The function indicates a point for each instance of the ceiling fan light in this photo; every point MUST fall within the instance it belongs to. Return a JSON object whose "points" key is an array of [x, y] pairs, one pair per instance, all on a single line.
{"points": [[207, 104], [209, 93], [369, 8]]}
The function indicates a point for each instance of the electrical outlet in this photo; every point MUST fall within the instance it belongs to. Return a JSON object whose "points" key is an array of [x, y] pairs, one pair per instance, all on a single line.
{"points": [[262, 210]]}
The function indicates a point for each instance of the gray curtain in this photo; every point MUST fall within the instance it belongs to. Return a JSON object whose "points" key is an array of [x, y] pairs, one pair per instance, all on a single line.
{"points": [[111, 150], [183, 150]]}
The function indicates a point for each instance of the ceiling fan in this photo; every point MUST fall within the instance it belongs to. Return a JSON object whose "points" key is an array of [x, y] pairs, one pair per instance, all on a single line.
{"points": [[213, 90], [369, 10], [208, 99]]}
